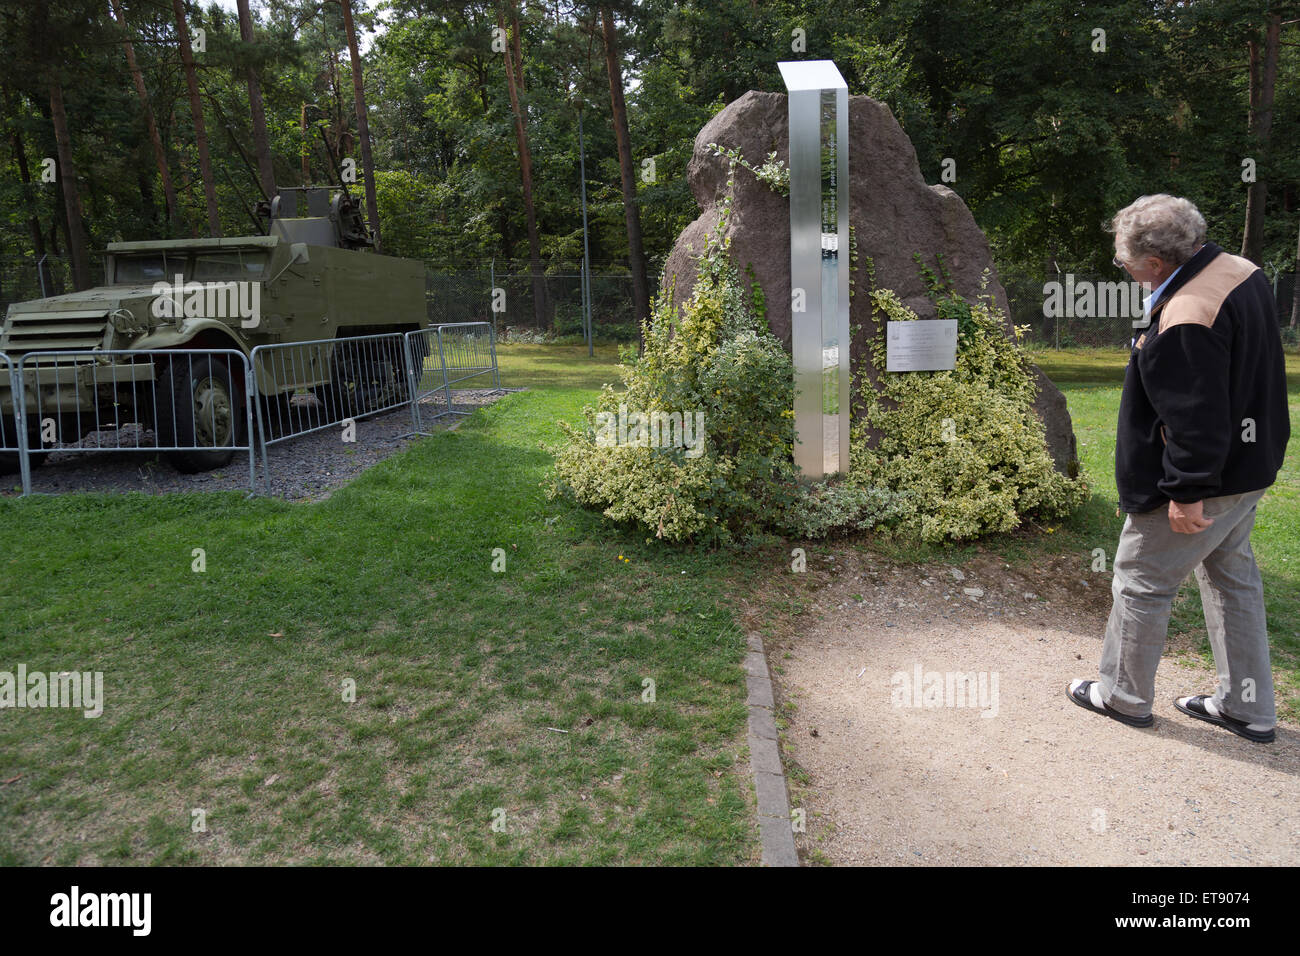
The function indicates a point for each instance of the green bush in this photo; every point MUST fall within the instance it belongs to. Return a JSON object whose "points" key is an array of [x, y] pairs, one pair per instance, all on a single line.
{"points": [[962, 449], [568, 326], [961, 454], [831, 509], [717, 358]]}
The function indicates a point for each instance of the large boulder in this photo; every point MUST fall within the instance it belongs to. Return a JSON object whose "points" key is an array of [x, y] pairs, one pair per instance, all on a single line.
{"points": [[893, 212]]}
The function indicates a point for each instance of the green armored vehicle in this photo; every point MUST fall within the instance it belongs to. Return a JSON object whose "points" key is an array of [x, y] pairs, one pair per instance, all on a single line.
{"points": [[311, 277]]}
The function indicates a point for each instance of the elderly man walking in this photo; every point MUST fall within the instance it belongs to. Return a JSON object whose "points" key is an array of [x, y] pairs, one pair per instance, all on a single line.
{"points": [[1203, 429]]}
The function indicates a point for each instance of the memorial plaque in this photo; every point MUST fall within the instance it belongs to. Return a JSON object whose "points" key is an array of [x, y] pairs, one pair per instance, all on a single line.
{"points": [[925, 345], [819, 264]]}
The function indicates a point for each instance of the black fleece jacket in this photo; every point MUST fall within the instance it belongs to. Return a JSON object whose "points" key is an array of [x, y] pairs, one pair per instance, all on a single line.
{"points": [[1204, 408]]}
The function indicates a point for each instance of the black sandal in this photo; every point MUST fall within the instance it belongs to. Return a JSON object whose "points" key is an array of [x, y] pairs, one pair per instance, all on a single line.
{"points": [[1195, 707], [1081, 695]]}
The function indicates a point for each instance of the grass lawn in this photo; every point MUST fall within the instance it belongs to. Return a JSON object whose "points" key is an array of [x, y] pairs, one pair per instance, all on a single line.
{"points": [[224, 690]]}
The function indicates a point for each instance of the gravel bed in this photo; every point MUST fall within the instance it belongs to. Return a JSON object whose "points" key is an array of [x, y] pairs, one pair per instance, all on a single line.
{"points": [[307, 467]]}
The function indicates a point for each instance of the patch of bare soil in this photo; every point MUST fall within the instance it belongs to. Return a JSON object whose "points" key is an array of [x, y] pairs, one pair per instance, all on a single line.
{"points": [[1008, 772]]}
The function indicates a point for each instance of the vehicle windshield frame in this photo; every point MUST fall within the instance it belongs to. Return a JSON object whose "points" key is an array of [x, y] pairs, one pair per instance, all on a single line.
{"points": [[249, 265], [174, 262]]}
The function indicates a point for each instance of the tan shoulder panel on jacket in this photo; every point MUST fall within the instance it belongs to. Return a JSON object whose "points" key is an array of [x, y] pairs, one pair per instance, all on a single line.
{"points": [[1199, 301]]}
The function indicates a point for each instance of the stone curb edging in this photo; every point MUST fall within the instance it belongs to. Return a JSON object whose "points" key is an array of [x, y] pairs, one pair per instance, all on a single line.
{"points": [[765, 760]]}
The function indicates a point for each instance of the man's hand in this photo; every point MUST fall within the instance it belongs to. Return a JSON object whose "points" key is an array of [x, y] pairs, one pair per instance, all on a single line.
{"points": [[1187, 518]]}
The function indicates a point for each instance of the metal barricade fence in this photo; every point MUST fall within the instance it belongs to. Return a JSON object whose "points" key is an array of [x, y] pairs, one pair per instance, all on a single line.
{"points": [[12, 421], [428, 375], [464, 350], [189, 398], [7, 428], [308, 386]]}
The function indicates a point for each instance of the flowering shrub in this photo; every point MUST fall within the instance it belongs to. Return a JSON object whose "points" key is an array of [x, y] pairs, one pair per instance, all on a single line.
{"points": [[962, 449]]}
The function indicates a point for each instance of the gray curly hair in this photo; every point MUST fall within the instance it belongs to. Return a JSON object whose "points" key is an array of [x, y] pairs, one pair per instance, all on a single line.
{"points": [[1164, 226]]}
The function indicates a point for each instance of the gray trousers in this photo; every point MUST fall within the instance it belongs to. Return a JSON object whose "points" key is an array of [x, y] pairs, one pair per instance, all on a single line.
{"points": [[1151, 562]]}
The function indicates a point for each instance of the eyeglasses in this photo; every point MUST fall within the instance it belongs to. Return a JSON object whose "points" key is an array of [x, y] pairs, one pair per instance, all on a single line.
{"points": [[1116, 263]]}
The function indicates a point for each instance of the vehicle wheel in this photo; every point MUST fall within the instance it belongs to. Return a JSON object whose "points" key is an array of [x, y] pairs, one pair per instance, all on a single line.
{"points": [[365, 379], [337, 398], [390, 380], [199, 404]]}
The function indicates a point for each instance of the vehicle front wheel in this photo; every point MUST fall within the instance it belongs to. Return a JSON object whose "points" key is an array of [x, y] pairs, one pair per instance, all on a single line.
{"points": [[199, 405]]}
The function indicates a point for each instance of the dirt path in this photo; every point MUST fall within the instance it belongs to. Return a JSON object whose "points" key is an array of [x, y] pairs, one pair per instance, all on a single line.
{"points": [[1038, 780]]}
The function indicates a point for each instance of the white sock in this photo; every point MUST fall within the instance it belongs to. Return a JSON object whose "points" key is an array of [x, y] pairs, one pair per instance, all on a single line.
{"points": [[1094, 692], [1213, 710]]}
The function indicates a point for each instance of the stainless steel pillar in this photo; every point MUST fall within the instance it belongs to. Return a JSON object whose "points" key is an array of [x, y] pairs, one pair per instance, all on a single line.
{"points": [[819, 264]]}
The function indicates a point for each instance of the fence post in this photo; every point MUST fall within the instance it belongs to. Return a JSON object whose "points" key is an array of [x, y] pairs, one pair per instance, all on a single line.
{"points": [[18, 390], [442, 360], [496, 369], [412, 378], [251, 396], [261, 423], [13, 373]]}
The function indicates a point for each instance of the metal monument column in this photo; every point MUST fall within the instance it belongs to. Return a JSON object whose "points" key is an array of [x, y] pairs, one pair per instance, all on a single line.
{"points": [[819, 264]]}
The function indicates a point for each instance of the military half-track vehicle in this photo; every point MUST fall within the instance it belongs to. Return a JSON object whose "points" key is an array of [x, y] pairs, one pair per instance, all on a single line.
{"points": [[311, 277]]}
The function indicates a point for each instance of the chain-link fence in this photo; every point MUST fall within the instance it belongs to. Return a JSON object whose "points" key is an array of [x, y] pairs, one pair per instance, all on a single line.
{"points": [[496, 291], [504, 293], [25, 277], [1284, 295], [507, 300], [1074, 310]]}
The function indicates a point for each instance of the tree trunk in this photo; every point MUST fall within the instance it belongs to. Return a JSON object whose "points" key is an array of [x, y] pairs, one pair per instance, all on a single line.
{"points": [[363, 124], [338, 129], [636, 254], [1295, 283], [159, 155], [304, 153], [68, 182], [526, 174], [25, 177], [261, 141], [1261, 124], [196, 112]]}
